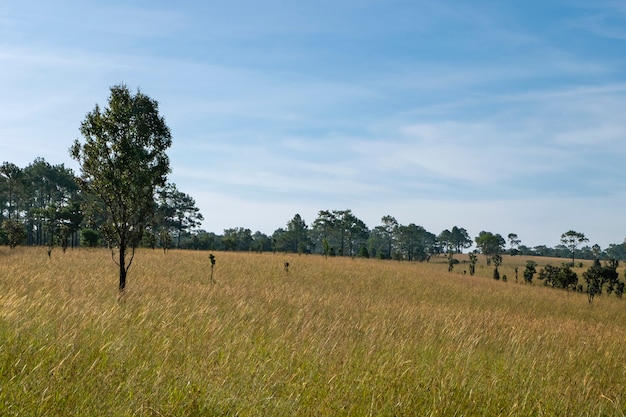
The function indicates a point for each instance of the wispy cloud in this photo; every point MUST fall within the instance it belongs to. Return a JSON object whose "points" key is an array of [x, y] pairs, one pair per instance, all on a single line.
{"points": [[438, 113]]}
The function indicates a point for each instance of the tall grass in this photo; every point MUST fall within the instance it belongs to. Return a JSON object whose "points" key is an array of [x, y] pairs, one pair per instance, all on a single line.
{"points": [[329, 337]]}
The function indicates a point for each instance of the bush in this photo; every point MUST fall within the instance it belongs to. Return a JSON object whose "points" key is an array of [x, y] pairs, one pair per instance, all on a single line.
{"points": [[559, 277], [15, 232], [530, 271], [91, 238], [597, 276]]}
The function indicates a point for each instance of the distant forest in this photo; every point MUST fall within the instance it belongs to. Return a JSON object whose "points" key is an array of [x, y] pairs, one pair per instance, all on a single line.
{"points": [[42, 205]]}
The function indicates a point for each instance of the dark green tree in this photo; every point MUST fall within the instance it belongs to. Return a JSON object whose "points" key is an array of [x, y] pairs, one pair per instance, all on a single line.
{"points": [[325, 229], [48, 187], [237, 239], [325, 247], [597, 276], [90, 237], [460, 239], [571, 240], [473, 259], [451, 261], [387, 231], [177, 211], [353, 231], [14, 231], [558, 277], [490, 245], [261, 242], [497, 261], [295, 238], [414, 242], [514, 243], [446, 240], [529, 271], [123, 162], [12, 178], [617, 251]]}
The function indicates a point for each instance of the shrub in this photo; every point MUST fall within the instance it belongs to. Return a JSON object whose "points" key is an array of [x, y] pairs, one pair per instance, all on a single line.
{"points": [[90, 237], [559, 277], [496, 274], [597, 276], [530, 271], [15, 232]]}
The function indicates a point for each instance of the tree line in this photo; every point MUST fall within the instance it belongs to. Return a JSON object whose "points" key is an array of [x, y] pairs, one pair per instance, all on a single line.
{"points": [[43, 205]]}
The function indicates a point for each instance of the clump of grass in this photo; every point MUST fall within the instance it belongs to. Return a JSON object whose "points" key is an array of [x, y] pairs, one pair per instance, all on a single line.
{"points": [[333, 337]]}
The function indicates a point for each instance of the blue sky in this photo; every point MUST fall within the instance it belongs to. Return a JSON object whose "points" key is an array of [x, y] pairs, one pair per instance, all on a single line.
{"points": [[505, 116]]}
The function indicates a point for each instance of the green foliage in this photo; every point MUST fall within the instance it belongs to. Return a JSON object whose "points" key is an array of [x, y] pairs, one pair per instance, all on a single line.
{"points": [[123, 162], [473, 259], [388, 236], [491, 245], [326, 247], [212, 261], [571, 239], [558, 277], [295, 238], [13, 178], [341, 229], [414, 242], [166, 240], [529, 271], [91, 238], [177, 211], [455, 240], [451, 261], [514, 243], [496, 274], [597, 276], [14, 231], [496, 259], [363, 252]]}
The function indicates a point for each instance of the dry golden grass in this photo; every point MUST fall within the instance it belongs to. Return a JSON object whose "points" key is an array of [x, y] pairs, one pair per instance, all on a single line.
{"points": [[329, 337]]}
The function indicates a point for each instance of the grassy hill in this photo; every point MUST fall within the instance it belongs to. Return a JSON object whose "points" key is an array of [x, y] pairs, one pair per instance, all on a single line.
{"points": [[329, 337]]}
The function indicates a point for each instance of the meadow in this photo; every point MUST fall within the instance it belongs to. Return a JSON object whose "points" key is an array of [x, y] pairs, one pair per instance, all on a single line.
{"points": [[336, 336]]}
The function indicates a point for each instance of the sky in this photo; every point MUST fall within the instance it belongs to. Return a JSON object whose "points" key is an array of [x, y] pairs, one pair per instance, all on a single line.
{"points": [[504, 116]]}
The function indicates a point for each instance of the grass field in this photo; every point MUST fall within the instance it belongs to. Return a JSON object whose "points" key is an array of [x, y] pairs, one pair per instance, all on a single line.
{"points": [[331, 336]]}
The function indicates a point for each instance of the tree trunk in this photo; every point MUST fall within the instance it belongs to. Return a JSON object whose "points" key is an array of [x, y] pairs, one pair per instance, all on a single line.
{"points": [[122, 266]]}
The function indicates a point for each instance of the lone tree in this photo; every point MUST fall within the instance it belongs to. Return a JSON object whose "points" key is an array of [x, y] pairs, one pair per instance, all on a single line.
{"points": [[571, 240], [123, 162]]}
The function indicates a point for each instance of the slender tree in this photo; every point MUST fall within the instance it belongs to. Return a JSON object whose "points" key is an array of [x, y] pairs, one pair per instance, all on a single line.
{"points": [[123, 162], [514, 243], [571, 240], [388, 231], [12, 176], [473, 258]]}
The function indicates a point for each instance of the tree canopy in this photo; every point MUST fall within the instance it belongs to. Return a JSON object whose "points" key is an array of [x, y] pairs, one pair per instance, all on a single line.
{"points": [[571, 239], [491, 245]]}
